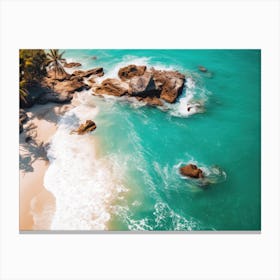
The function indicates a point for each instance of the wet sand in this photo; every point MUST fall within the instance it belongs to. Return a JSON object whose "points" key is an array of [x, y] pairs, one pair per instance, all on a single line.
{"points": [[37, 205]]}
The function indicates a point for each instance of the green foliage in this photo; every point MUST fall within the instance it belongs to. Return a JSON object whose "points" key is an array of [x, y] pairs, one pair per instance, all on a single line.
{"points": [[32, 67], [32, 64]]}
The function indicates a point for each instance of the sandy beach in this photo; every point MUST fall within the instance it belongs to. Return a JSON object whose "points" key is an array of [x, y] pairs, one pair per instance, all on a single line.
{"points": [[37, 205]]}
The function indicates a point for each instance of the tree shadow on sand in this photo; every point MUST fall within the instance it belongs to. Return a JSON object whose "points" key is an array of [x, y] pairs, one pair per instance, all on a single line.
{"points": [[29, 153]]}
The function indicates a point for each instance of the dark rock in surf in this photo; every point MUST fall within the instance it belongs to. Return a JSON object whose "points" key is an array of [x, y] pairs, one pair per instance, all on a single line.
{"points": [[88, 126], [191, 170]]}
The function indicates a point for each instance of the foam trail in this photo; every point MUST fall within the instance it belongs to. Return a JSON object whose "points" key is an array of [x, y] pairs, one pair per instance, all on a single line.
{"points": [[83, 184]]}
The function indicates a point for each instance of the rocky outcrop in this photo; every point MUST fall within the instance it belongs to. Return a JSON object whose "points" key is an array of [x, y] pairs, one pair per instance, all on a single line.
{"points": [[87, 73], [112, 87], [131, 71], [148, 85], [66, 86], [191, 170], [72, 64], [88, 126]]}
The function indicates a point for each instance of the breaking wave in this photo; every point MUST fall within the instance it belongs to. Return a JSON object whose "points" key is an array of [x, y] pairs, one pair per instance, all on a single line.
{"points": [[84, 184]]}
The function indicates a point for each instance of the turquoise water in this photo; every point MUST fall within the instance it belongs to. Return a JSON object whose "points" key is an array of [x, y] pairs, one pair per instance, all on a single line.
{"points": [[152, 143]]}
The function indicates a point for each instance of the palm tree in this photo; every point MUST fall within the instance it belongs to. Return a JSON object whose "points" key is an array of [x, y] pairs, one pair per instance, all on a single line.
{"points": [[55, 61]]}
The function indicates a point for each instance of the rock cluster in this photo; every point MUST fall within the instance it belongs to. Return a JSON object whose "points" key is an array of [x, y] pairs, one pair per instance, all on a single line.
{"points": [[148, 85]]}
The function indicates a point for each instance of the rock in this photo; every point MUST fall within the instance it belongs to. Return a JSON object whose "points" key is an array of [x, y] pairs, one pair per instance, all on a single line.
{"points": [[94, 57], [130, 71], [170, 83], [88, 126], [72, 64], [143, 86], [151, 101], [55, 76], [66, 86], [85, 74], [202, 69], [112, 87], [191, 170]]}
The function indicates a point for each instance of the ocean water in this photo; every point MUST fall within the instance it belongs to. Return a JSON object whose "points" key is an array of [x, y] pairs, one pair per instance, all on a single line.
{"points": [[124, 175]]}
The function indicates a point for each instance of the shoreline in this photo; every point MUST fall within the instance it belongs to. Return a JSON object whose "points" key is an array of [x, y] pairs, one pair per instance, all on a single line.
{"points": [[37, 205]]}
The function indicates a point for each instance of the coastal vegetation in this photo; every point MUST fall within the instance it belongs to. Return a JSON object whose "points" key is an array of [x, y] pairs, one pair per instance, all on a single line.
{"points": [[32, 67]]}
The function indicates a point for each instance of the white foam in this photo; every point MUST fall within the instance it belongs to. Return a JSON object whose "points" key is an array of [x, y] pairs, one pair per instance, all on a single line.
{"points": [[192, 101], [162, 218], [83, 184]]}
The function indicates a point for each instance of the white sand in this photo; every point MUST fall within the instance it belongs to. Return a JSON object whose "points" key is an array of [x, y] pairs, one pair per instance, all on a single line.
{"points": [[37, 205]]}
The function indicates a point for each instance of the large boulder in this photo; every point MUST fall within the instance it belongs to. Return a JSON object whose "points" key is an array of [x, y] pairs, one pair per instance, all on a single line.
{"points": [[170, 84], [87, 73], [130, 71], [86, 127], [112, 87], [191, 170]]}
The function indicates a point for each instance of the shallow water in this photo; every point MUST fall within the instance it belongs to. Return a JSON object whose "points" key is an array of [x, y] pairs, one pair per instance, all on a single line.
{"points": [[133, 183]]}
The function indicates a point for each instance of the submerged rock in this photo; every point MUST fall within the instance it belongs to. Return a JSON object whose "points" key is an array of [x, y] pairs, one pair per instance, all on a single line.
{"points": [[88, 126], [191, 170], [202, 69]]}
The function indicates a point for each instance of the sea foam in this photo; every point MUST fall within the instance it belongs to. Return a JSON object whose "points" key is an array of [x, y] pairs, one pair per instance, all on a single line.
{"points": [[83, 184]]}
